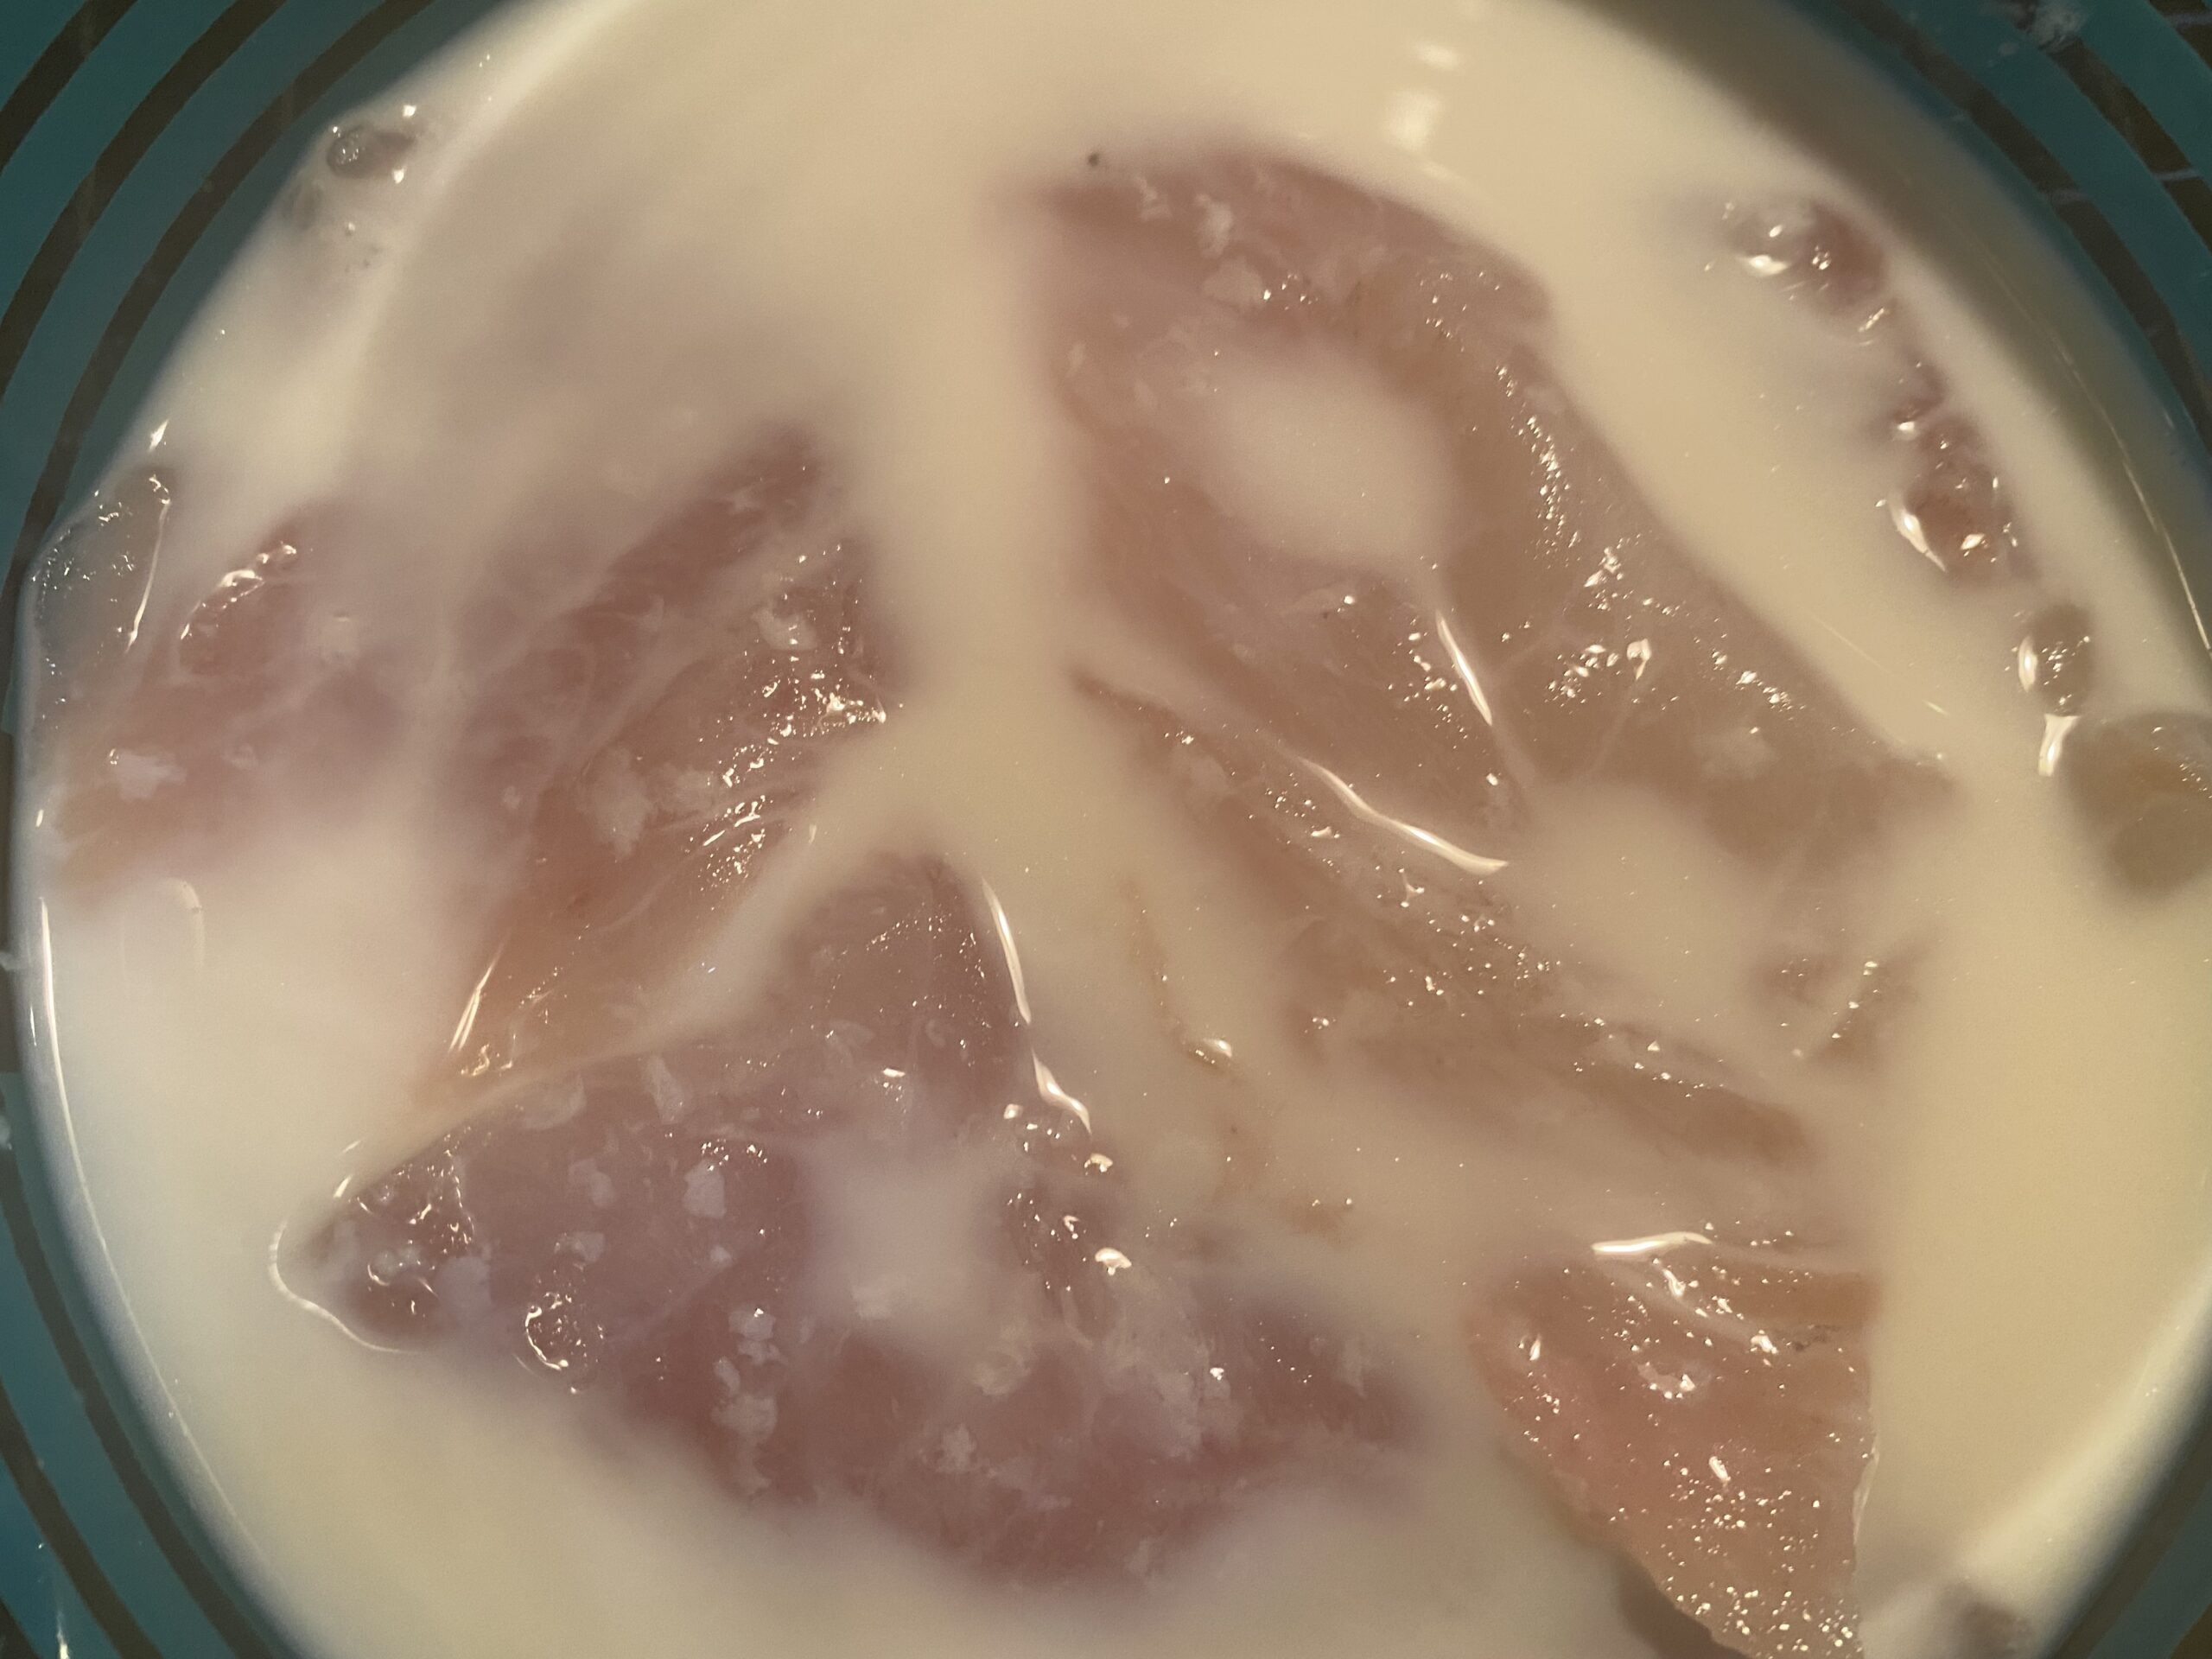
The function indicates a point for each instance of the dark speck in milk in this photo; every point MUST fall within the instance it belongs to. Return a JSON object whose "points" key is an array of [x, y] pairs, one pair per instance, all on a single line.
{"points": [[1074, 846]]}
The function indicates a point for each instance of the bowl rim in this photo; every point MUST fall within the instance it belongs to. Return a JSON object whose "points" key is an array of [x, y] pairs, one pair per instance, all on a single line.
{"points": [[217, 103]]}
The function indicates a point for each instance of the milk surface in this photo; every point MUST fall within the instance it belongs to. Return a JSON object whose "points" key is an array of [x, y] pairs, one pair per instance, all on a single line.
{"points": [[708, 214]]}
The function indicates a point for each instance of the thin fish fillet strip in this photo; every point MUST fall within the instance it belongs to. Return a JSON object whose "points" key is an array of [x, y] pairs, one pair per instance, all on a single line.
{"points": [[628, 765], [1364, 762]]}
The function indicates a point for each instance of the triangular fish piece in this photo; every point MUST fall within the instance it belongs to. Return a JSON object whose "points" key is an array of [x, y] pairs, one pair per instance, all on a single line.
{"points": [[852, 1253]]}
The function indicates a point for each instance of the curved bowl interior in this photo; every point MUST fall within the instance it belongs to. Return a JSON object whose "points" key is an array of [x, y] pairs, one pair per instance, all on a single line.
{"points": [[140, 142]]}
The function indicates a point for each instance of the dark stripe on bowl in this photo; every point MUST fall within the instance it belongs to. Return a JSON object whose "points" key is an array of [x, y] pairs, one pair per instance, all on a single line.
{"points": [[71, 1554], [2154, 1534], [2105, 247], [51, 72], [2105, 87], [131, 140], [2162, 1521], [2198, 1643], [45, 503], [267, 130], [13, 1644], [2161, 1524], [221, 1606]]}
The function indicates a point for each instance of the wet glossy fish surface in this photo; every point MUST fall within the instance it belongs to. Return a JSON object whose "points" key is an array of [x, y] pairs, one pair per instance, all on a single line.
{"points": [[1148, 876]]}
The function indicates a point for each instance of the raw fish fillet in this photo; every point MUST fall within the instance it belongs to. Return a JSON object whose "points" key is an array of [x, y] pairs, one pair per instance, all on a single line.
{"points": [[619, 771], [1363, 747], [1705, 1409], [628, 765], [667, 1234], [174, 733], [850, 1244], [1566, 635], [1397, 957]]}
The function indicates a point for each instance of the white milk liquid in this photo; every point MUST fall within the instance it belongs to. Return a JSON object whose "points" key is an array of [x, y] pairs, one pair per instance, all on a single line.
{"points": [[753, 205]]}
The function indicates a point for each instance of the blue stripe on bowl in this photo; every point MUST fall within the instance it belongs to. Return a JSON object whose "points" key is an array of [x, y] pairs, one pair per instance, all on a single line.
{"points": [[96, 128], [28, 85], [2175, 86], [2037, 91], [163, 223], [127, 271]]}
